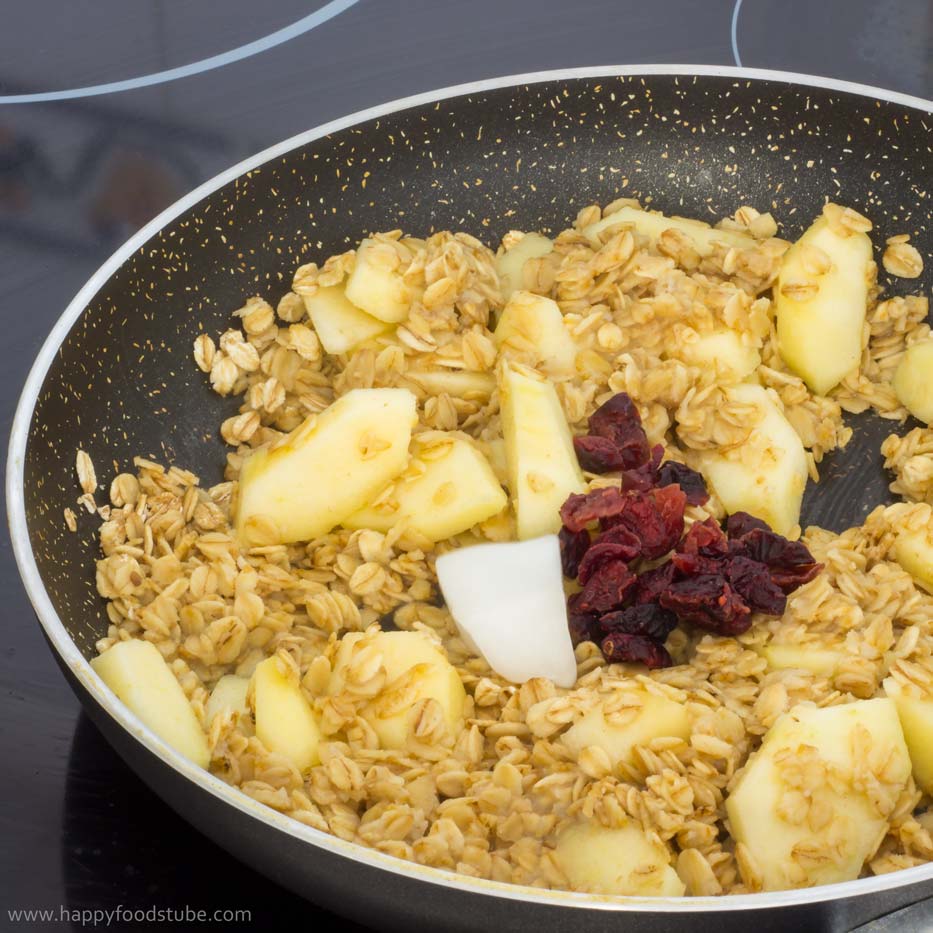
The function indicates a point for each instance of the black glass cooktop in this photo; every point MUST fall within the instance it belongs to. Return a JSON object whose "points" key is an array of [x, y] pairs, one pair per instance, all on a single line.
{"points": [[109, 111]]}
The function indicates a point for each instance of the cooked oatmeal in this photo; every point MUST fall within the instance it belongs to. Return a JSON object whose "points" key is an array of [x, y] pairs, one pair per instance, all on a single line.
{"points": [[490, 793]]}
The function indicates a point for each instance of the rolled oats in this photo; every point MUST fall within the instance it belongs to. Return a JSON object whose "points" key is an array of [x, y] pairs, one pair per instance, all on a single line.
{"points": [[903, 260], [490, 800], [87, 477]]}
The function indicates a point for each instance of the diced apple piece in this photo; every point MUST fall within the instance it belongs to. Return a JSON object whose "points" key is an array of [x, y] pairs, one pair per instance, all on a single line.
{"points": [[723, 350], [415, 671], [652, 224], [913, 381], [532, 324], [806, 657], [376, 285], [229, 693], [511, 264], [448, 488], [339, 324], [621, 861], [498, 459], [648, 717], [766, 476], [327, 468], [916, 715], [285, 721], [913, 550], [813, 802], [138, 674], [543, 468], [821, 296], [457, 383], [508, 601]]}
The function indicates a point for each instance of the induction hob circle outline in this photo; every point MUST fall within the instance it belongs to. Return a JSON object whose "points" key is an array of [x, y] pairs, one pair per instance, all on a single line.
{"points": [[734, 33], [263, 44]]}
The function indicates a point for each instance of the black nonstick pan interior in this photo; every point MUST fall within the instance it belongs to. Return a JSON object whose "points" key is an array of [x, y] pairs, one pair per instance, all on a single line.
{"points": [[525, 157]]}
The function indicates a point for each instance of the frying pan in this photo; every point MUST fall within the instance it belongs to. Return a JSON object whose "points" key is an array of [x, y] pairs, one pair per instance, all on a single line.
{"points": [[116, 378]]}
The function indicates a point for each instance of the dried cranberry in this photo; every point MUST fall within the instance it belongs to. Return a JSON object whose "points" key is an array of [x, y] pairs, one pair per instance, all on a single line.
{"points": [[579, 510], [652, 583], [752, 581], [791, 578], [740, 523], [790, 562], [709, 603], [692, 564], [644, 477], [615, 414], [704, 538], [605, 590], [637, 649], [621, 535], [602, 553], [584, 626], [670, 502], [691, 482], [649, 619], [619, 421], [598, 454], [573, 545], [656, 517]]}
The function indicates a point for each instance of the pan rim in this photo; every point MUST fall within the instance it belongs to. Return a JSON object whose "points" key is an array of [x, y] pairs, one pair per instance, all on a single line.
{"points": [[80, 668]]}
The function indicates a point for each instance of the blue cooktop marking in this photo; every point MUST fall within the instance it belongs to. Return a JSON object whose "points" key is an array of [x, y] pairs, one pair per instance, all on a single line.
{"points": [[306, 24]]}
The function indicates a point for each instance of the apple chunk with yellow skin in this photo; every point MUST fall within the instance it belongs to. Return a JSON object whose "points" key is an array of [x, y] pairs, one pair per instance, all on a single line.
{"points": [[622, 861], [229, 694], [339, 323], [913, 550], [813, 802], [285, 721], [448, 491], [652, 224], [457, 383], [532, 324], [767, 475], [648, 717], [821, 296], [806, 657], [913, 381], [511, 264], [376, 284], [327, 468], [916, 715], [414, 671], [138, 674], [543, 467]]}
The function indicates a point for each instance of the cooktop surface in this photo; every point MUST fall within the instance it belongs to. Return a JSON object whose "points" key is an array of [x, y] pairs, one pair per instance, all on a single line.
{"points": [[110, 111]]}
